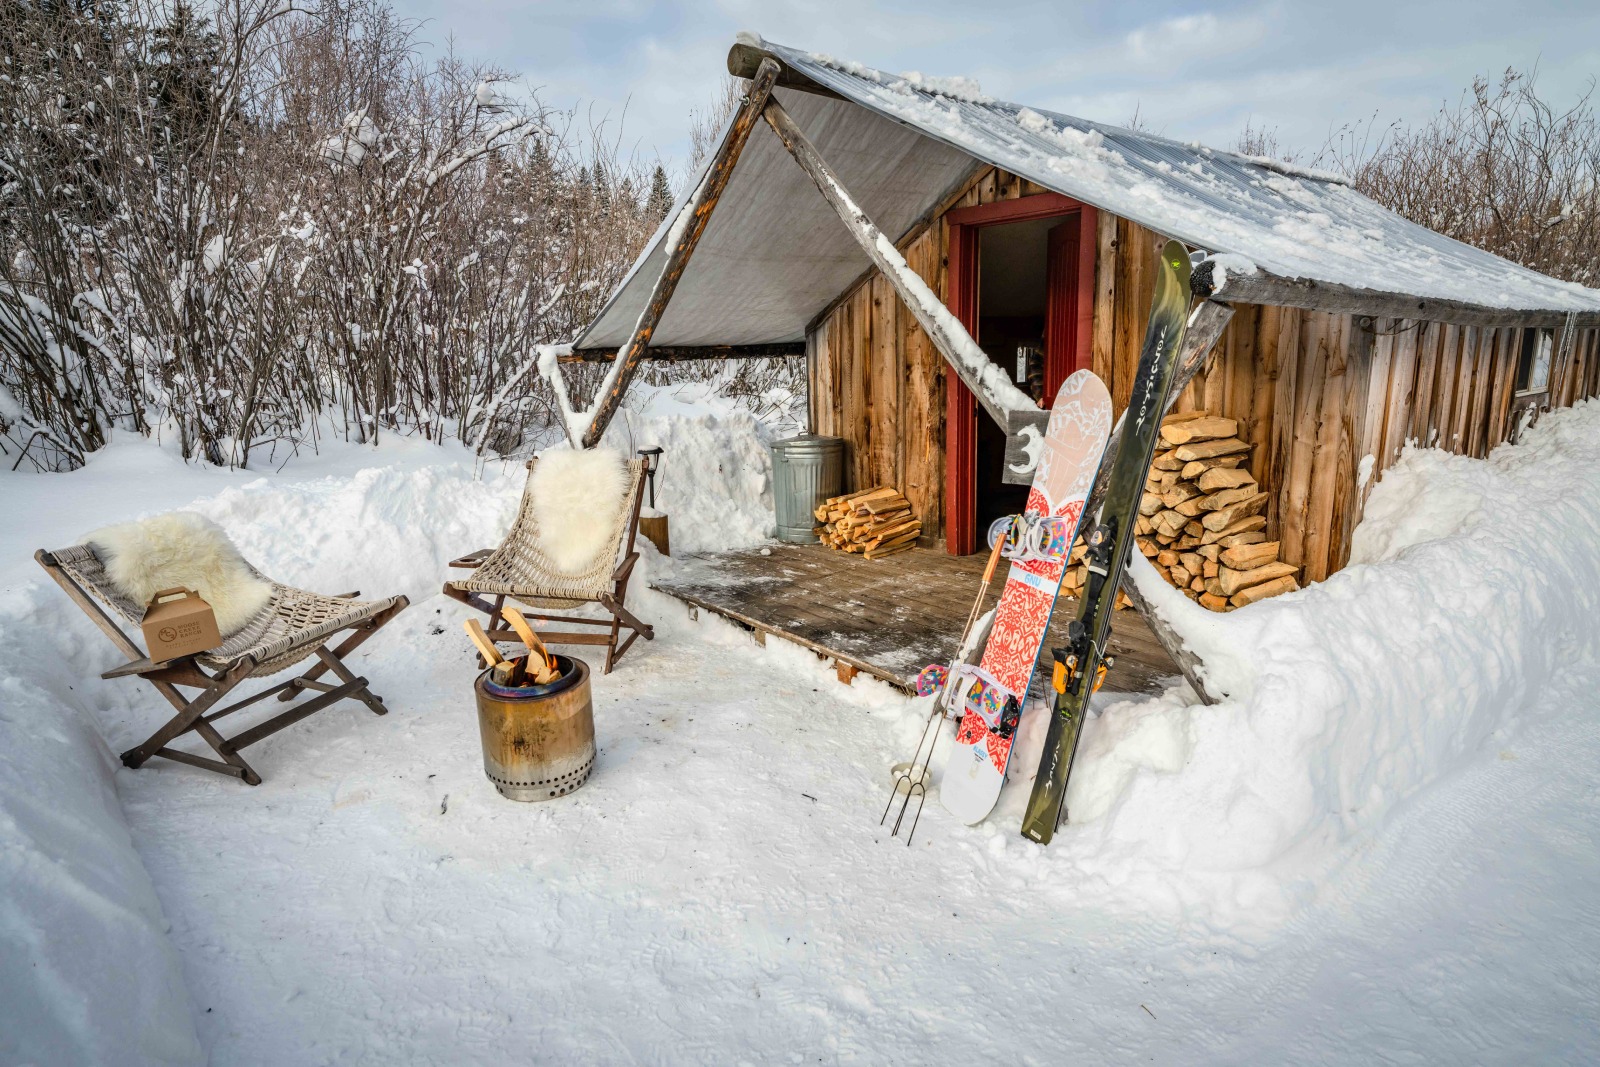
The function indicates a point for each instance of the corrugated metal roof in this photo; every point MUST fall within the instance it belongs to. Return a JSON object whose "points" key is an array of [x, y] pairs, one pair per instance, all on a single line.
{"points": [[773, 254]]}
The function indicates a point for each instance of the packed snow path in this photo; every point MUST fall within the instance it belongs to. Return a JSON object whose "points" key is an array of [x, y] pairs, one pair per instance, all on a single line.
{"points": [[720, 891]]}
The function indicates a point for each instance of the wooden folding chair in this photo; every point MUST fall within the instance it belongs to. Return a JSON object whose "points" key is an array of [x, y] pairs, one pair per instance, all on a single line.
{"points": [[294, 626], [520, 571]]}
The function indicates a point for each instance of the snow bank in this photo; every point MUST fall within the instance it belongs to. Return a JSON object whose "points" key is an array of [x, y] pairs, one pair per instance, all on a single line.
{"points": [[1475, 587], [87, 974]]}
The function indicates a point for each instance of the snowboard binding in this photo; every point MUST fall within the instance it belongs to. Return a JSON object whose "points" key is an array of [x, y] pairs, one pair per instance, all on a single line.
{"points": [[1032, 536]]}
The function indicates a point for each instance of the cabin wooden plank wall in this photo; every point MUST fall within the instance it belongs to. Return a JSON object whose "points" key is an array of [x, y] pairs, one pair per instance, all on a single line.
{"points": [[878, 382], [1316, 393]]}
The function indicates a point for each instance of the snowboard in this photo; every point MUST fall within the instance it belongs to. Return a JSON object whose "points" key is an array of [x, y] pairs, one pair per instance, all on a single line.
{"points": [[992, 696], [1108, 539]]}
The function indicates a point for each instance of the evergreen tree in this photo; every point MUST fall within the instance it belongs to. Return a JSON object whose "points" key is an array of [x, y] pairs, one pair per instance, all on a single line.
{"points": [[660, 199], [184, 56], [602, 190]]}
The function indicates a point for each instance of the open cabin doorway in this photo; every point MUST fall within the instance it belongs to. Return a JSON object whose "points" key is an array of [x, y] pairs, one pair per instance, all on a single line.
{"points": [[1021, 282]]}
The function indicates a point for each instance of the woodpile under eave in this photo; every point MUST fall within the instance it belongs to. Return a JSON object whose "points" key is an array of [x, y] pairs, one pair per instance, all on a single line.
{"points": [[1200, 519]]}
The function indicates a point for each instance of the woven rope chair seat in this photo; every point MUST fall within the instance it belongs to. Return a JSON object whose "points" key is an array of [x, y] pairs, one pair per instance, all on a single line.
{"points": [[283, 633], [520, 569]]}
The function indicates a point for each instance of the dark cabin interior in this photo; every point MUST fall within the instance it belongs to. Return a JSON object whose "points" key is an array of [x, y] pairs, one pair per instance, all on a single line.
{"points": [[1012, 261]]}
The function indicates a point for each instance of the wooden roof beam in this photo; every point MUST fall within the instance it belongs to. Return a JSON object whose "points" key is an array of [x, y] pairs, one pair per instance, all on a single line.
{"points": [[683, 353], [745, 59], [1264, 288], [690, 224]]}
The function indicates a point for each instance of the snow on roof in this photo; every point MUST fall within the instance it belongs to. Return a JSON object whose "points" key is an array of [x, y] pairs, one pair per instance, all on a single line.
{"points": [[773, 254], [1290, 221]]}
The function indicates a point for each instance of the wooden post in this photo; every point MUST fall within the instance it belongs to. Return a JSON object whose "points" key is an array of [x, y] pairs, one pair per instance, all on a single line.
{"points": [[1009, 406], [699, 209]]}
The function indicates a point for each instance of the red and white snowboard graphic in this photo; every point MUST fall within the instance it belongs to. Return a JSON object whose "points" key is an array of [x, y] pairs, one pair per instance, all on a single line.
{"points": [[1080, 423]]}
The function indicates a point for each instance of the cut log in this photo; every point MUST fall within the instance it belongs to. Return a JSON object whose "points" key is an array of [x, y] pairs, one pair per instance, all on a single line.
{"points": [[1196, 467], [1223, 478], [1244, 557], [1179, 493], [1226, 446], [1221, 520], [1204, 429], [1149, 504], [1166, 461], [1209, 568], [1215, 603], [1223, 498], [1177, 418], [1191, 561], [1232, 581], [1245, 597], [1253, 522], [1210, 552], [1248, 537]]}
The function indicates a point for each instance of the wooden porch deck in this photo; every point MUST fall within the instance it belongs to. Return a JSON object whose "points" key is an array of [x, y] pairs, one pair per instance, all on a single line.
{"points": [[888, 618]]}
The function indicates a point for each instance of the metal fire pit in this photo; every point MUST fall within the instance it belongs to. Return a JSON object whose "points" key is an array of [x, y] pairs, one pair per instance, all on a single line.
{"points": [[538, 740]]}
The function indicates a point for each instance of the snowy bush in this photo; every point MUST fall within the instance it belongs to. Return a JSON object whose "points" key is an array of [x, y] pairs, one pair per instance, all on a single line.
{"points": [[247, 231]]}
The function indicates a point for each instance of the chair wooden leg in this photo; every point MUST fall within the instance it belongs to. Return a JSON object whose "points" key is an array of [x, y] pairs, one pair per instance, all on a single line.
{"points": [[185, 719], [372, 700], [364, 629], [611, 646]]}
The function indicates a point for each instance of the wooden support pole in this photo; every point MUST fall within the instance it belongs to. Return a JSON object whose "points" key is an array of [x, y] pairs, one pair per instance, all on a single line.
{"points": [[1008, 405], [1264, 288], [699, 209]]}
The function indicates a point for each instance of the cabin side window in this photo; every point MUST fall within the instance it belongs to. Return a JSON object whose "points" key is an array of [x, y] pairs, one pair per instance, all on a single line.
{"points": [[1533, 367]]}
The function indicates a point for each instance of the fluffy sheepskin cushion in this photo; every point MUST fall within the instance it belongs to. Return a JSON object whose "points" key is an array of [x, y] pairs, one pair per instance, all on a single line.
{"points": [[578, 497], [181, 549]]}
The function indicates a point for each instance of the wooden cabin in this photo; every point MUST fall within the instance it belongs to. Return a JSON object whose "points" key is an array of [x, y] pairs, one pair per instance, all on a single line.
{"points": [[1314, 391], [1333, 331]]}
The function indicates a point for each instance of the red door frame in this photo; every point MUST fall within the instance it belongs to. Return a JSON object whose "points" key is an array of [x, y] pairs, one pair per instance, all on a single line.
{"points": [[961, 416]]}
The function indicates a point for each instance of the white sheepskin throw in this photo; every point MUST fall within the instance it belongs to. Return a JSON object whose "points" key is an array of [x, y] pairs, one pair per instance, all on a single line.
{"points": [[181, 549], [578, 497]]}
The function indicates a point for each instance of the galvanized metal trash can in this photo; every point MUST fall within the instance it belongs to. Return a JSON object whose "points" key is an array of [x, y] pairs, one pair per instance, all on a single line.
{"points": [[538, 740], [805, 471]]}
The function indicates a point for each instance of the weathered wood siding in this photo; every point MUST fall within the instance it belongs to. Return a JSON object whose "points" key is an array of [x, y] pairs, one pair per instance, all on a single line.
{"points": [[1314, 392], [876, 379]]}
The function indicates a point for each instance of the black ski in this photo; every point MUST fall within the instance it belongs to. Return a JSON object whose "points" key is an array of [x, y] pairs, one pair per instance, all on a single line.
{"points": [[1109, 538]]}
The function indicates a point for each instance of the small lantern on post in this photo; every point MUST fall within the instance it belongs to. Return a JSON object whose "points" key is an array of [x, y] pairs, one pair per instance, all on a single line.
{"points": [[653, 523]]}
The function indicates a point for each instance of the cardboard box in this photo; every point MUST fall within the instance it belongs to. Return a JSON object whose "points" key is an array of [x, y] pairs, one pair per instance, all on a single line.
{"points": [[178, 623]]}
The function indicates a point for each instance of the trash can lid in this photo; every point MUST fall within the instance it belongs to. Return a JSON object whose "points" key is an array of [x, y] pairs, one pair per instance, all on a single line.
{"points": [[808, 442]]}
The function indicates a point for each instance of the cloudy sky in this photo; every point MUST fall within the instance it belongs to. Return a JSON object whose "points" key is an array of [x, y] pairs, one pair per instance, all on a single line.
{"points": [[1191, 71]]}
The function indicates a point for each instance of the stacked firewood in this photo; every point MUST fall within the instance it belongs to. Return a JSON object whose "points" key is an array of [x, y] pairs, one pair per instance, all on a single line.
{"points": [[1200, 518], [875, 522]]}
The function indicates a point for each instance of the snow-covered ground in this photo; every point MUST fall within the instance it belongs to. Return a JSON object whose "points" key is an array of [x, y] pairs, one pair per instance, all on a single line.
{"points": [[1380, 848]]}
